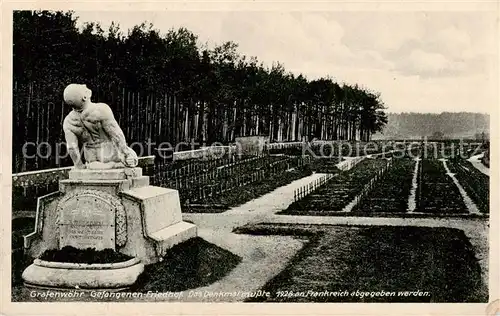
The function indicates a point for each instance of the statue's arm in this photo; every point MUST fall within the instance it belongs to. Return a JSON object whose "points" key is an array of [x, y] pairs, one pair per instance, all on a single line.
{"points": [[115, 133], [111, 127], [72, 144]]}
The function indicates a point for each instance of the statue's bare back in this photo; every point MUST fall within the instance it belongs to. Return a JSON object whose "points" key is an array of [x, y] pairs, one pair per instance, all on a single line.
{"points": [[87, 124], [93, 128]]}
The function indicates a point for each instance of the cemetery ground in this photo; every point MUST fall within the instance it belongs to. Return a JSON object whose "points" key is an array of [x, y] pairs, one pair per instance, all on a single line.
{"points": [[379, 230]]}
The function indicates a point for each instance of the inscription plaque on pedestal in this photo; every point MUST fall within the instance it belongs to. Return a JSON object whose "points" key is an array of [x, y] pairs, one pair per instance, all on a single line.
{"points": [[87, 221]]}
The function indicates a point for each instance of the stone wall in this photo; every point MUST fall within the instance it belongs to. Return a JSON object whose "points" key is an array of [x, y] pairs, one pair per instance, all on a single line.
{"points": [[252, 145], [204, 153]]}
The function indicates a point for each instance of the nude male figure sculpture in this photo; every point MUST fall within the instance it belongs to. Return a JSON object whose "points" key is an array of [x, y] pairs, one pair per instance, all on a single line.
{"points": [[93, 127]]}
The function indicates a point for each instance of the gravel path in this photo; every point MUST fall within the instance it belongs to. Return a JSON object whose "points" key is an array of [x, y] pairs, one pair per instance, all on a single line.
{"points": [[476, 162], [412, 199], [471, 206], [263, 257]]}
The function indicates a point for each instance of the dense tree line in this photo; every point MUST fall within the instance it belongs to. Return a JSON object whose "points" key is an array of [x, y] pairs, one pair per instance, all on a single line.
{"points": [[213, 94]]}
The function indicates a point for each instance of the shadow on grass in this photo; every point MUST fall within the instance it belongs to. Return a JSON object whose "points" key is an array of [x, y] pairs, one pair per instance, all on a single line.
{"points": [[346, 259], [191, 264]]}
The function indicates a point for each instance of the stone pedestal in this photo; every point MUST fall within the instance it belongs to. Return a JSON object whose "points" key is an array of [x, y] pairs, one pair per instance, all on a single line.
{"points": [[115, 208]]}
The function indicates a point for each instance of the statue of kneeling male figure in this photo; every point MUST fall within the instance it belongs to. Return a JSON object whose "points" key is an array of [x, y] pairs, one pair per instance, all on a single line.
{"points": [[92, 126]]}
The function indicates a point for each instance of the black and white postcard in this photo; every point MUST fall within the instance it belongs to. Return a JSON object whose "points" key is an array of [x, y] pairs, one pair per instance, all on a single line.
{"points": [[276, 155]]}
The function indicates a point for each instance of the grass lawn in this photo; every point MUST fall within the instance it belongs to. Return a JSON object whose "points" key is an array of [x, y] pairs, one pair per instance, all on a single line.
{"points": [[346, 259]]}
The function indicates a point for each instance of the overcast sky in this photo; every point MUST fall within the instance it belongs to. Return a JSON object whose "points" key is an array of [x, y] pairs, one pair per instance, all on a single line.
{"points": [[418, 61]]}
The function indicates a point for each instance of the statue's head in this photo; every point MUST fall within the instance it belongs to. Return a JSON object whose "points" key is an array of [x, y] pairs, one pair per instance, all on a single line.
{"points": [[76, 95]]}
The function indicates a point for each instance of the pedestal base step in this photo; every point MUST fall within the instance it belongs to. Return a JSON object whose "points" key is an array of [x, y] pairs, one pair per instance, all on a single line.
{"points": [[172, 235], [64, 275]]}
